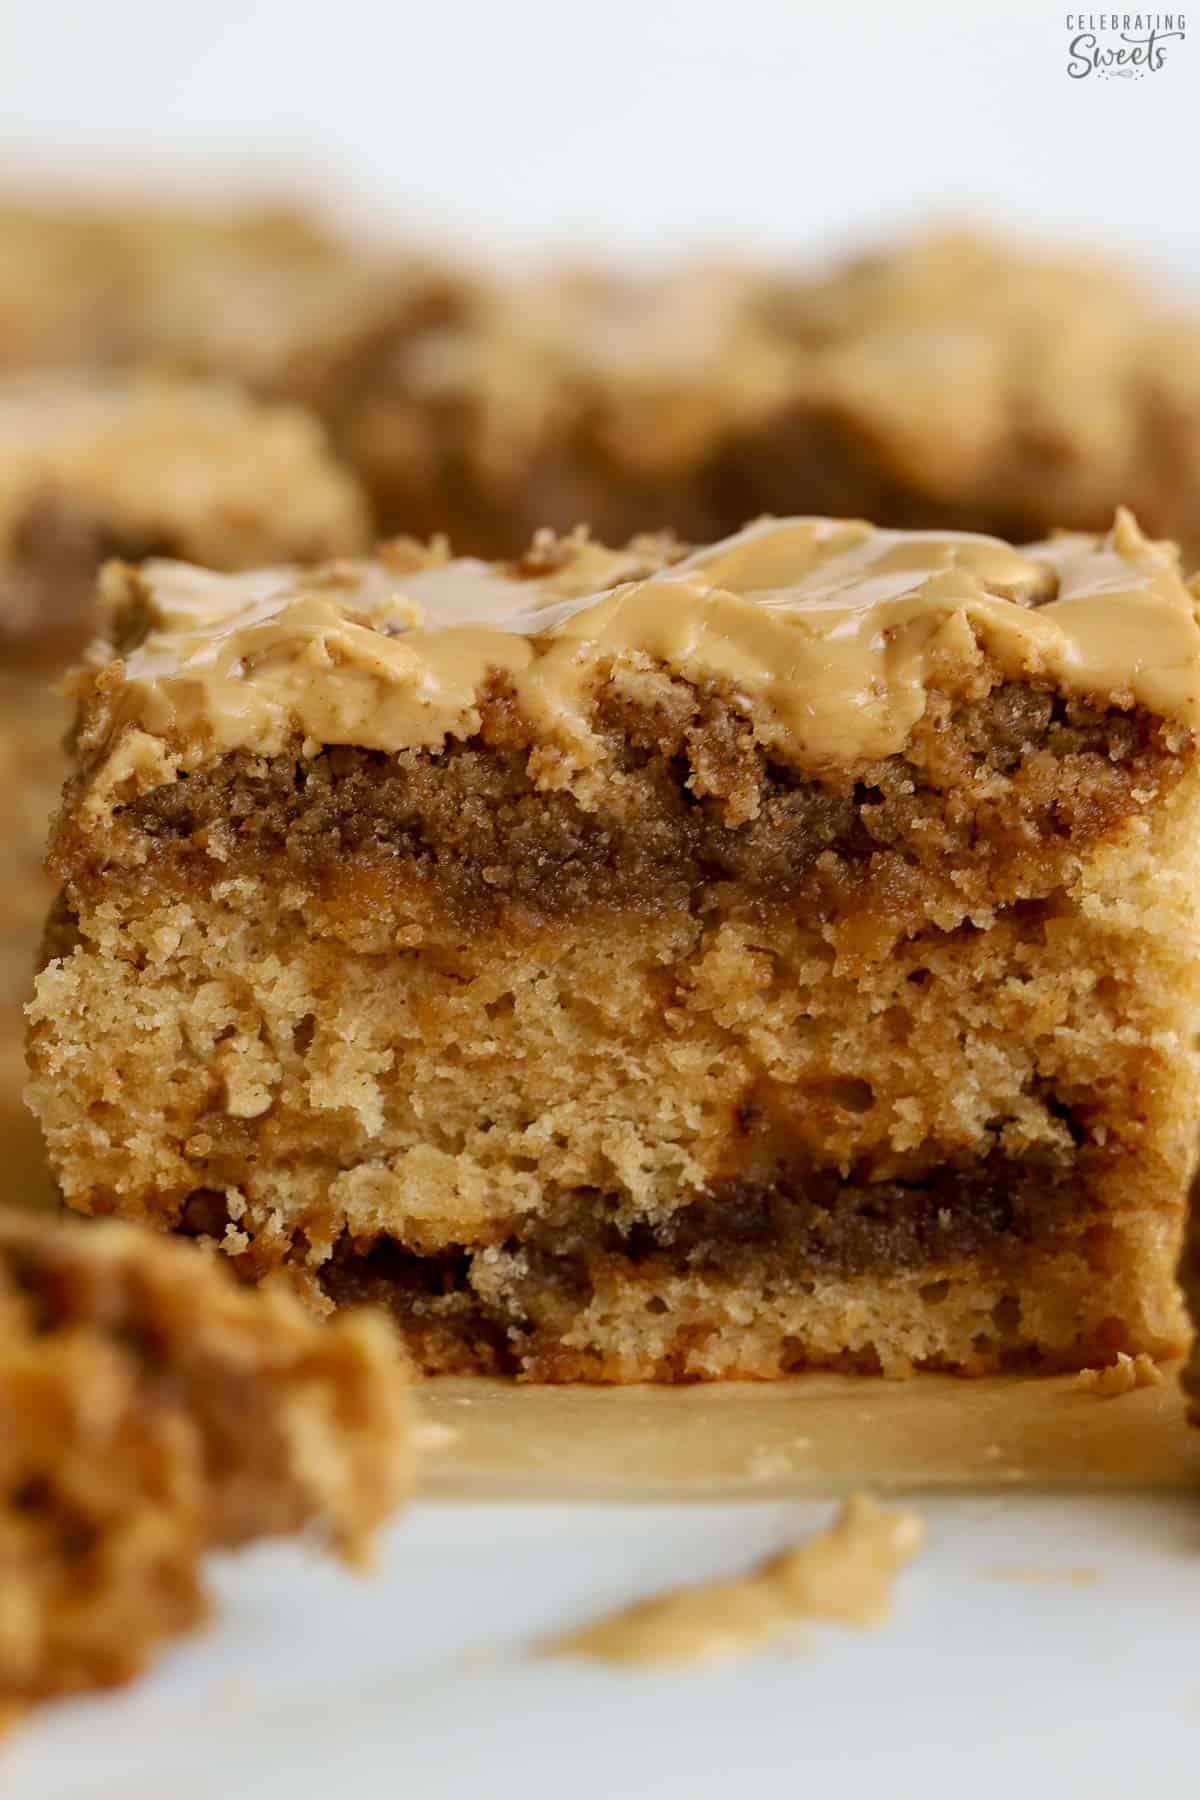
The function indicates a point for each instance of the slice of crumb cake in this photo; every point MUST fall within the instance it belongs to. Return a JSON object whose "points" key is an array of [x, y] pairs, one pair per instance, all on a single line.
{"points": [[646, 965]]}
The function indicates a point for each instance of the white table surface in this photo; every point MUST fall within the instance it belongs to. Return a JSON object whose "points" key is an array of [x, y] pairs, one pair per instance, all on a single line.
{"points": [[1042, 1644]]}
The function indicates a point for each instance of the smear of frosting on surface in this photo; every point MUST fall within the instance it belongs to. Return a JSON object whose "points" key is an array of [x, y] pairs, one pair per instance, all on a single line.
{"points": [[845, 1573]]}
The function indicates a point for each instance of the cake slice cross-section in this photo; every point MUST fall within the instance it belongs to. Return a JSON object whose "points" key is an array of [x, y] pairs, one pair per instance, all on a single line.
{"points": [[151, 1409], [650, 964]]}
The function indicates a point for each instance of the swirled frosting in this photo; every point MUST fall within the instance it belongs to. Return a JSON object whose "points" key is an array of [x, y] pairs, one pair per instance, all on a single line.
{"points": [[827, 634]]}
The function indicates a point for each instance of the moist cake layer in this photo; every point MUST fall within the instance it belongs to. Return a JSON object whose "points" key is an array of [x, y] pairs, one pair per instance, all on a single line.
{"points": [[509, 1316], [781, 955], [684, 1095], [763, 1278]]}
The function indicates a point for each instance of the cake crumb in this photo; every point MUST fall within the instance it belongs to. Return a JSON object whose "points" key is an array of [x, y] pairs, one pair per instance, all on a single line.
{"points": [[1120, 1377], [844, 1573]]}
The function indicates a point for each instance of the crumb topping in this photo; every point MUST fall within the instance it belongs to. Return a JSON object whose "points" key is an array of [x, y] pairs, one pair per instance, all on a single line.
{"points": [[1121, 1377]]}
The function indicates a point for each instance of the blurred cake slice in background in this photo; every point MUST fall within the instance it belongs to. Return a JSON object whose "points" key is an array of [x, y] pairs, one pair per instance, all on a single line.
{"points": [[275, 300], [62, 284], [577, 397], [951, 380], [96, 465], [272, 297], [995, 385]]}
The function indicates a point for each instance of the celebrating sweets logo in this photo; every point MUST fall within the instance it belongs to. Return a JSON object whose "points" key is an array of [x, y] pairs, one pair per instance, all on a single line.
{"points": [[1121, 46]]}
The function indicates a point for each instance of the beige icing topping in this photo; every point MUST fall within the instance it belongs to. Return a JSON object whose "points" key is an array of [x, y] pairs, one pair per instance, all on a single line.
{"points": [[845, 1573], [827, 634]]}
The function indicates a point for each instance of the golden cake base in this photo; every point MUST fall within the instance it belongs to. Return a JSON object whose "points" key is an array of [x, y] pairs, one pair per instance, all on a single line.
{"points": [[812, 1435]]}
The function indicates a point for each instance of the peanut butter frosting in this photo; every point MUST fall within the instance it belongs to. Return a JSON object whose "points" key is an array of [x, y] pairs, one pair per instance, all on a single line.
{"points": [[827, 634], [844, 1574]]}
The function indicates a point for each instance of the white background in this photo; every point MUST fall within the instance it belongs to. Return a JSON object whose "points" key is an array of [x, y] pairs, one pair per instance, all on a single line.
{"points": [[998, 1678], [623, 124]]}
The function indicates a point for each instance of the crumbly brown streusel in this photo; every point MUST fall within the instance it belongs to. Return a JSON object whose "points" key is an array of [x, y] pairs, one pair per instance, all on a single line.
{"points": [[689, 804]]}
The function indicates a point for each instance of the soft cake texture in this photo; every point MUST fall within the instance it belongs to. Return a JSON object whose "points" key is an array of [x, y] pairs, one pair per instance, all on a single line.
{"points": [[650, 964]]}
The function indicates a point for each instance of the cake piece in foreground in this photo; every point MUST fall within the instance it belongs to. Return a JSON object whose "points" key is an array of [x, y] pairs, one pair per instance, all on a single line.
{"points": [[152, 1408], [645, 965]]}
